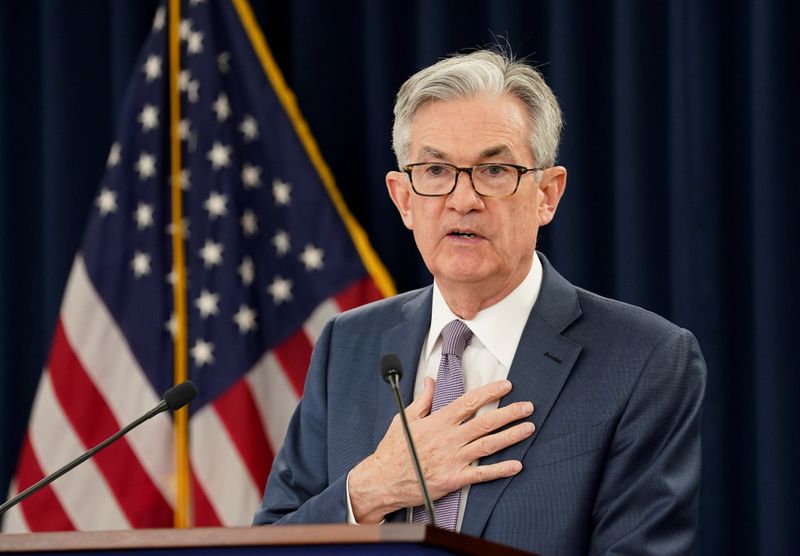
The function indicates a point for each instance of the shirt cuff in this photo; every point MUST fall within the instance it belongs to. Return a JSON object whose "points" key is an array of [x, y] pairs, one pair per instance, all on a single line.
{"points": [[351, 519]]}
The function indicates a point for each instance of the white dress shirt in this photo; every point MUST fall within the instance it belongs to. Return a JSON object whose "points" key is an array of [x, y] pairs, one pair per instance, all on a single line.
{"points": [[496, 334]]}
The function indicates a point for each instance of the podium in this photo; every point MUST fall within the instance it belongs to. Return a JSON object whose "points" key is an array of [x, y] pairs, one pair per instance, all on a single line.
{"points": [[295, 540]]}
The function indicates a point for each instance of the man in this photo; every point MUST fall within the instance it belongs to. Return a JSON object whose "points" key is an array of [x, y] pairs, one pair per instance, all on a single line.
{"points": [[579, 429]]}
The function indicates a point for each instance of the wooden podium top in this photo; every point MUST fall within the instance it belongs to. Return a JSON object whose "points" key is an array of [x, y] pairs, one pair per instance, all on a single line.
{"points": [[284, 535]]}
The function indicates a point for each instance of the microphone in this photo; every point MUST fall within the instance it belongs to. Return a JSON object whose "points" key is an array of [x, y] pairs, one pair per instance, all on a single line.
{"points": [[392, 372], [173, 399]]}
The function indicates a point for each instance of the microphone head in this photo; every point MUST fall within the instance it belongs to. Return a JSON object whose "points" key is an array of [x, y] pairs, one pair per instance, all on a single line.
{"points": [[390, 364], [180, 394]]}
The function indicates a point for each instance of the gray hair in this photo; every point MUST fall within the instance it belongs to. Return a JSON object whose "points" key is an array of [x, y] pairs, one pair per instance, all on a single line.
{"points": [[476, 73]]}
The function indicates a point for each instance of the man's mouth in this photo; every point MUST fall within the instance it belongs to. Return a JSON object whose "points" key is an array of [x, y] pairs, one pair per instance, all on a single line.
{"points": [[464, 234]]}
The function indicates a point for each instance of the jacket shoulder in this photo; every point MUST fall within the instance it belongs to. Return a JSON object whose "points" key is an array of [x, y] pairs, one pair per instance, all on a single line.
{"points": [[388, 310], [616, 322]]}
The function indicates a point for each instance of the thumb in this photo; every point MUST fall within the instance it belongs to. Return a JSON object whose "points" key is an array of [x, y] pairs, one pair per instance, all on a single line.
{"points": [[421, 405]]}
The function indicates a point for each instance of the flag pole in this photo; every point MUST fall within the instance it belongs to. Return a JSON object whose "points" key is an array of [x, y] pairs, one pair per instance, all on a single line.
{"points": [[181, 420]]}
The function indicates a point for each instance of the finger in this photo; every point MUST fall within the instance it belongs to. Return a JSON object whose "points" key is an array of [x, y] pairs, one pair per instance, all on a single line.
{"points": [[482, 473], [492, 443], [466, 406], [421, 406], [492, 420]]}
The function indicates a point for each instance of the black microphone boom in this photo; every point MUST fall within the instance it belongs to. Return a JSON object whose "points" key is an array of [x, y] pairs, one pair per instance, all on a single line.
{"points": [[392, 372], [173, 399]]}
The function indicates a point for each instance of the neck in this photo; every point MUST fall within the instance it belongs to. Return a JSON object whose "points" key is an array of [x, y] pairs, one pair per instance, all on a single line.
{"points": [[467, 299]]}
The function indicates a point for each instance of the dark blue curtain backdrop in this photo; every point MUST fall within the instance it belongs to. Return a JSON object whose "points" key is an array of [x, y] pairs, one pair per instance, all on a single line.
{"points": [[681, 144]]}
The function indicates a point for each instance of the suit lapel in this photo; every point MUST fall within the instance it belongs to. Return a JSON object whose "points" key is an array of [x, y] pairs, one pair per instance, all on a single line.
{"points": [[542, 363], [404, 340]]}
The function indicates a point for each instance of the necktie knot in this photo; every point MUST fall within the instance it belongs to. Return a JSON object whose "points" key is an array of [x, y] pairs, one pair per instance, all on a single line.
{"points": [[455, 337]]}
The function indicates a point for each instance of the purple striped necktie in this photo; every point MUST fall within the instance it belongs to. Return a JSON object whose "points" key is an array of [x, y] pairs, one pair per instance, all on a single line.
{"points": [[449, 386]]}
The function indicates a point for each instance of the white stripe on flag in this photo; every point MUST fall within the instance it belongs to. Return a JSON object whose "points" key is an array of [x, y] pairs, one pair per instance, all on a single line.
{"points": [[106, 357], [274, 397], [220, 471], [324, 312], [13, 519], [83, 492]]}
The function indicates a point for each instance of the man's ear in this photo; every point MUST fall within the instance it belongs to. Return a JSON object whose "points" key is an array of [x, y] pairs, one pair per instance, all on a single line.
{"points": [[400, 192], [551, 187]]}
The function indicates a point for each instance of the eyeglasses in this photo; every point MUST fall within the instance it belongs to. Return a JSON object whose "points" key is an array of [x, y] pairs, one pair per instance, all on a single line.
{"points": [[436, 179]]}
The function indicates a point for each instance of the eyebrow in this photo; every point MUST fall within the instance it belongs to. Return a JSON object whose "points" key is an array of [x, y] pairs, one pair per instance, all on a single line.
{"points": [[495, 151], [439, 155], [487, 153]]}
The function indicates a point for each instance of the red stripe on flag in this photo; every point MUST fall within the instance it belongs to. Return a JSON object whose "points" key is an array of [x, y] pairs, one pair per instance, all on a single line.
{"points": [[294, 355], [42, 511], [204, 514], [93, 422], [237, 409], [359, 293]]}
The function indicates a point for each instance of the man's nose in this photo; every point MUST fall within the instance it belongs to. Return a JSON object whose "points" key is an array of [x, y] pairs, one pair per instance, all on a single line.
{"points": [[464, 197]]}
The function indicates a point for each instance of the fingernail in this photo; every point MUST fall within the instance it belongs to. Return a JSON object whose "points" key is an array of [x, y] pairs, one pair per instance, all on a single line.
{"points": [[526, 408], [528, 428]]}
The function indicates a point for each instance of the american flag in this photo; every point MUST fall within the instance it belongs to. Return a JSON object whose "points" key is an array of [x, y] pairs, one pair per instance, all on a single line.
{"points": [[271, 253]]}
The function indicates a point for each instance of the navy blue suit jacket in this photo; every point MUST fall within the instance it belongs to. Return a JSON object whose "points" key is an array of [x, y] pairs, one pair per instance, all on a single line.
{"points": [[614, 464]]}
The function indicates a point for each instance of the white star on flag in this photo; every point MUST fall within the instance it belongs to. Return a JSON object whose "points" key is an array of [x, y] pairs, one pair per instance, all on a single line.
{"points": [[193, 90], [223, 62], [247, 271], [202, 353], [148, 117], [219, 155], [249, 128], [281, 191], [311, 257], [143, 216], [152, 67], [194, 45], [146, 166], [172, 276], [107, 201], [281, 242], [251, 176], [280, 289], [207, 303], [140, 264], [184, 129], [216, 205], [245, 319], [159, 19], [185, 29], [185, 177], [222, 107], [184, 227], [184, 78], [249, 222], [113, 155], [172, 325], [211, 253]]}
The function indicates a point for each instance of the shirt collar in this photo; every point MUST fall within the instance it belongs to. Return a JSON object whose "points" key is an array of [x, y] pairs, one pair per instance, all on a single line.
{"points": [[498, 327]]}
